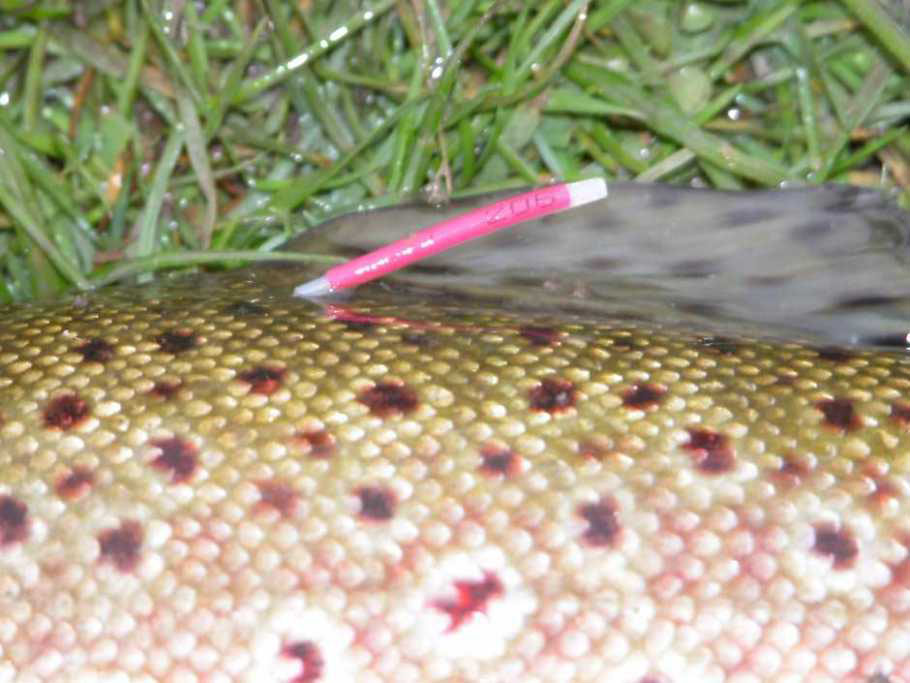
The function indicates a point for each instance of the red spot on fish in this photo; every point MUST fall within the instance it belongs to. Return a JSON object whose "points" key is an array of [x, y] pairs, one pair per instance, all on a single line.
{"points": [[76, 484], [389, 398], [792, 471], [597, 448], [710, 450], [471, 597], [498, 460], [65, 412], [603, 522], [178, 457], [539, 336], [376, 503], [121, 546], [554, 395], [263, 379], [900, 412], [320, 442], [839, 544], [643, 396], [166, 388], [311, 662], [278, 495], [13, 521], [839, 414], [96, 350], [884, 491], [177, 341]]}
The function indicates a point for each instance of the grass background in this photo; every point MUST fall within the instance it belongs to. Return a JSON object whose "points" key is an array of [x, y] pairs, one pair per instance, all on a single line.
{"points": [[139, 135]]}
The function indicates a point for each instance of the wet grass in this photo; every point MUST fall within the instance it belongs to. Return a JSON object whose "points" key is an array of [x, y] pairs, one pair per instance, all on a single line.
{"points": [[143, 135]]}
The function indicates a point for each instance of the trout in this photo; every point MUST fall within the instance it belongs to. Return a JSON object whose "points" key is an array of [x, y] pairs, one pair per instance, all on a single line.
{"points": [[659, 439]]}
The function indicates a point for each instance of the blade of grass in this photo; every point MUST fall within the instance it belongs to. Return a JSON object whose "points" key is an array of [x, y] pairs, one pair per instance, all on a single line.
{"points": [[144, 244], [890, 33], [278, 74]]}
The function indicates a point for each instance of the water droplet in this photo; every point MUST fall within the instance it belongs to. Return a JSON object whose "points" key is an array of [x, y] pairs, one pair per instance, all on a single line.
{"points": [[368, 15], [4, 98], [733, 113], [338, 33]]}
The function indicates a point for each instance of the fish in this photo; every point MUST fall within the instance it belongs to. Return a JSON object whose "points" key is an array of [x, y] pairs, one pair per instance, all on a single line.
{"points": [[661, 438]]}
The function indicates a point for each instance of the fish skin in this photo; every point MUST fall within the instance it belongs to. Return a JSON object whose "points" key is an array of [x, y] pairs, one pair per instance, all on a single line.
{"points": [[207, 480]]}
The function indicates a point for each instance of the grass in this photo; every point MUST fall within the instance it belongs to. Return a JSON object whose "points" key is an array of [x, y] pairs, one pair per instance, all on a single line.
{"points": [[142, 135]]}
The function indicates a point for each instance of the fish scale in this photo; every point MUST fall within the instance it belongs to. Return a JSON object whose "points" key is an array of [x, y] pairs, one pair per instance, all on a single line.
{"points": [[208, 480]]}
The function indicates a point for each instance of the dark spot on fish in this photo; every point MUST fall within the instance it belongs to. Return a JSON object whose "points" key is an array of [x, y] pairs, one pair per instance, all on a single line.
{"points": [[498, 460], [835, 354], [603, 522], [389, 398], [710, 450], [901, 413], [320, 442], [96, 351], [177, 341], [643, 396], [471, 597], [76, 484], [722, 345], [539, 336], [898, 340], [554, 395], [358, 324], [418, 339], [376, 503], [166, 388], [278, 495], [878, 678], [244, 309], [311, 662], [704, 310], [662, 197], [120, 546], [178, 458], [843, 198], [693, 268], [812, 231], [839, 544], [263, 379], [13, 521], [435, 269], [838, 413], [867, 301], [601, 263], [749, 215], [65, 412]]}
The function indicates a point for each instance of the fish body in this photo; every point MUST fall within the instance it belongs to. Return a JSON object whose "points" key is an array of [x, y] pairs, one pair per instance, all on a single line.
{"points": [[480, 472]]}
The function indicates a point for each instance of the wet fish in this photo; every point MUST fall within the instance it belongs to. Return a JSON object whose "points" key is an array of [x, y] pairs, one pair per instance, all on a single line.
{"points": [[661, 439]]}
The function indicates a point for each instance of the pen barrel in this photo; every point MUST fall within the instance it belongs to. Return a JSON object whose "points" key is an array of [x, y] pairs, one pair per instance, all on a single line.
{"points": [[449, 233]]}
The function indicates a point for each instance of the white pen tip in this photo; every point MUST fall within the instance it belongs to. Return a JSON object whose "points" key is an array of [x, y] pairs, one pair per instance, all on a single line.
{"points": [[318, 287], [586, 191]]}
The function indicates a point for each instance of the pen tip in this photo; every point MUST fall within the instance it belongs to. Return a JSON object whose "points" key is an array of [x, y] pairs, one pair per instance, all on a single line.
{"points": [[587, 191], [318, 287]]}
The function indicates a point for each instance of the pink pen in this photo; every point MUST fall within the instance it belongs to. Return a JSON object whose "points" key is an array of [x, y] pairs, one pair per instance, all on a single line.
{"points": [[452, 232]]}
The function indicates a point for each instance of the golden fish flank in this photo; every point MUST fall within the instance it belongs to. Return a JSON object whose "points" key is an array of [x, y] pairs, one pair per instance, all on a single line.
{"points": [[206, 482]]}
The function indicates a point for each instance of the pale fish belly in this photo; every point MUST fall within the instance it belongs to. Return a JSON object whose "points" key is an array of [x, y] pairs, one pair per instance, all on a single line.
{"points": [[643, 443]]}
